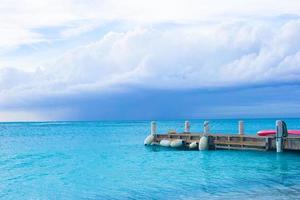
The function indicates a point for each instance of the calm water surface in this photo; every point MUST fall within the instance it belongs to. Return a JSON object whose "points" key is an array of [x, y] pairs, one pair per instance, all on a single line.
{"points": [[107, 160]]}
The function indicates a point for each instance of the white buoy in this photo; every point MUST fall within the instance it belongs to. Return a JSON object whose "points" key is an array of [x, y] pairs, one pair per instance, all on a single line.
{"points": [[176, 143], [203, 143], [193, 145], [241, 128], [206, 127], [165, 143], [149, 139], [279, 135], [187, 126]]}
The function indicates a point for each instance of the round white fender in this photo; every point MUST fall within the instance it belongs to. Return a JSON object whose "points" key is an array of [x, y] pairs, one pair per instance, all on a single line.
{"points": [[193, 145], [203, 143], [149, 139], [176, 143], [165, 143]]}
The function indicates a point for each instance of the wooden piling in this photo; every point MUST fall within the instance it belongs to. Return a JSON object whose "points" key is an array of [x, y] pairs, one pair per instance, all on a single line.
{"points": [[241, 128], [187, 126], [279, 134], [153, 127], [206, 127]]}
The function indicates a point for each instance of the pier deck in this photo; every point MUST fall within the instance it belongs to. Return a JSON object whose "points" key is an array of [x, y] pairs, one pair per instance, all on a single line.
{"points": [[234, 141]]}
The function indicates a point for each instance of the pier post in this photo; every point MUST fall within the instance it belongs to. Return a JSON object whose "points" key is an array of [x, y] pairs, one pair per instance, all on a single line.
{"points": [[150, 139], [206, 127], [203, 142], [279, 134], [187, 126], [153, 128], [241, 127]]}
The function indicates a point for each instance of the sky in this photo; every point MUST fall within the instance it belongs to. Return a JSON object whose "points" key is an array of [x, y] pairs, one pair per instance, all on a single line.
{"points": [[136, 59]]}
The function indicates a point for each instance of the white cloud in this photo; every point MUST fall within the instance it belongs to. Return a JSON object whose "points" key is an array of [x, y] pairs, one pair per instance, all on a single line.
{"points": [[184, 57], [20, 20], [168, 45], [188, 57]]}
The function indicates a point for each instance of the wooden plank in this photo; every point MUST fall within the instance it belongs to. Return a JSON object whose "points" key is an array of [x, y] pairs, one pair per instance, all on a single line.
{"points": [[224, 135], [292, 144], [262, 144], [239, 148]]}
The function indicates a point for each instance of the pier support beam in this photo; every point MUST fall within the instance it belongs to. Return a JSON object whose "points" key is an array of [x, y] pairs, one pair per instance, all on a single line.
{"points": [[187, 126], [241, 127], [203, 142], [153, 128], [279, 135], [206, 127], [151, 138]]}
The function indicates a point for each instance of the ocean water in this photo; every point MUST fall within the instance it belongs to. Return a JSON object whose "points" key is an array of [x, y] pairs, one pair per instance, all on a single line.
{"points": [[107, 160]]}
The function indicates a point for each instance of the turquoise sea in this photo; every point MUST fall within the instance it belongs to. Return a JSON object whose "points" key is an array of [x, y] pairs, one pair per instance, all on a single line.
{"points": [[107, 160]]}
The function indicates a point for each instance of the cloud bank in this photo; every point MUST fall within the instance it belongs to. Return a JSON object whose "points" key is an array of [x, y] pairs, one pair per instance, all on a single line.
{"points": [[156, 46], [180, 57]]}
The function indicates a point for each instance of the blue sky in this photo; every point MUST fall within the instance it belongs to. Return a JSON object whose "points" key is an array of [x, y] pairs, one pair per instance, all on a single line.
{"points": [[93, 60]]}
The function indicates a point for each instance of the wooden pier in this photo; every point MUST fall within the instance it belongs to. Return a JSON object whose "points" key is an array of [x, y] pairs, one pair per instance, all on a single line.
{"points": [[233, 141], [238, 141]]}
